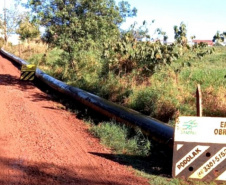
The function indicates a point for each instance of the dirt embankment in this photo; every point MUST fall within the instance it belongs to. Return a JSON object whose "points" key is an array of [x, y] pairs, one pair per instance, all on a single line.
{"points": [[43, 144]]}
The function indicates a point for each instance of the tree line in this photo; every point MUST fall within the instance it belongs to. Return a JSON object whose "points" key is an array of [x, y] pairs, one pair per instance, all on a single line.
{"points": [[76, 25]]}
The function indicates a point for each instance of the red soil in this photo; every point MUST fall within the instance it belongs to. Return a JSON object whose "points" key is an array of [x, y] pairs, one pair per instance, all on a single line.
{"points": [[43, 144]]}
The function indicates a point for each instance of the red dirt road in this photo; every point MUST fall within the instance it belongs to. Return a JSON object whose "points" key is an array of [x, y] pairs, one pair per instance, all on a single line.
{"points": [[43, 144]]}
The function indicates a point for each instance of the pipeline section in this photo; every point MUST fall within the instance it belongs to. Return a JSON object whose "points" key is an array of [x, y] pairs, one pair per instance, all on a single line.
{"points": [[153, 128]]}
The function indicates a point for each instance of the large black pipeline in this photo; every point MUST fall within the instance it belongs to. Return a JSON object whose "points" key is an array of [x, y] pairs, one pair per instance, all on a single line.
{"points": [[155, 129]]}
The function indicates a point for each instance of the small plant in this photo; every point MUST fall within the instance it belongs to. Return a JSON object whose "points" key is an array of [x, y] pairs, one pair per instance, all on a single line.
{"points": [[122, 139]]}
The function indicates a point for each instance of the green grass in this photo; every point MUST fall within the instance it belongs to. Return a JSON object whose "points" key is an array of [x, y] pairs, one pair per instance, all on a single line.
{"points": [[122, 139], [172, 88]]}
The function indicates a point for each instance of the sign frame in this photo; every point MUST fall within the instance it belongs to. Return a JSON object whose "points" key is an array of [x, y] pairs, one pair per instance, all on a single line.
{"points": [[199, 151]]}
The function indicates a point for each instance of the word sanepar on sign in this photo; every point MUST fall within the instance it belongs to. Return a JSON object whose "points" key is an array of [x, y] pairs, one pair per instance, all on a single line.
{"points": [[200, 148]]}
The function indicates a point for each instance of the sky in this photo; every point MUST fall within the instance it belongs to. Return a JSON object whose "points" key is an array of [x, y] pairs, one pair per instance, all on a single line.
{"points": [[203, 18]]}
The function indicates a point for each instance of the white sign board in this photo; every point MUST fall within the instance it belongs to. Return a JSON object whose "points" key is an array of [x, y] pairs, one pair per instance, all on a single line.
{"points": [[200, 148]]}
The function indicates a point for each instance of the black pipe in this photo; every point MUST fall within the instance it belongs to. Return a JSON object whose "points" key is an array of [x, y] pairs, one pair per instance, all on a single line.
{"points": [[155, 129]]}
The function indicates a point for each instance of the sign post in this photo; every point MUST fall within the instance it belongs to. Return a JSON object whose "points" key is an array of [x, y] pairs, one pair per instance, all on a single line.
{"points": [[199, 101], [200, 149]]}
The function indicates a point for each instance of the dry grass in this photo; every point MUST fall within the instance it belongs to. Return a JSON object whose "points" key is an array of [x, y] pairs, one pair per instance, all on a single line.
{"points": [[26, 50], [214, 101]]}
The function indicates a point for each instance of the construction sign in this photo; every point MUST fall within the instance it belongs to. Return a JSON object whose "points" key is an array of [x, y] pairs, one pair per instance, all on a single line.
{"points": [[200, 149], [28, 72]]}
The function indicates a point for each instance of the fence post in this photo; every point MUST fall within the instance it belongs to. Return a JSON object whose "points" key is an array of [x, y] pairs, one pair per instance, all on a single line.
{"points": [[199, 101]]}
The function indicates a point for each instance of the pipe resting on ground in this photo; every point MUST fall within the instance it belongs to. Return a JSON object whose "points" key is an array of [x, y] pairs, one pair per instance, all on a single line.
{"points": [[153, 128]]}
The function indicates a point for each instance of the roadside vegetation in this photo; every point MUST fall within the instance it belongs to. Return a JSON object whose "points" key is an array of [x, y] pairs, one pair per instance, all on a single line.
{"points": [[84, 46], [163, 88], [167, 92], [122, 139]]}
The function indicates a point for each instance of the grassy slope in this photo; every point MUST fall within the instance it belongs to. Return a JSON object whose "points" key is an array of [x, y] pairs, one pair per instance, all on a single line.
{"points": [[172, 89]]}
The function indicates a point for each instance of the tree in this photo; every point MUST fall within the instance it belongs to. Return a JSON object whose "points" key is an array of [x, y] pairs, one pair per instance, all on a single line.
{"points": [[125, 10], [135, 33], [181, 34], [3, 24], [1, 27], [11, 18], [163, 33], [219, 37], [27, 30], [224, 34], [70, 22], [193, 37]]}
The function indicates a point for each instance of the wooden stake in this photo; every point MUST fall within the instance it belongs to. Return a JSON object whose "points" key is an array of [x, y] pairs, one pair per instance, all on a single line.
{"points": [[19, 49], [199, 101]]}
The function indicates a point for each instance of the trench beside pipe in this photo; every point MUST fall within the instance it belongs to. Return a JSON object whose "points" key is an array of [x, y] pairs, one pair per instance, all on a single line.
{"points": [[153, 128]]}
